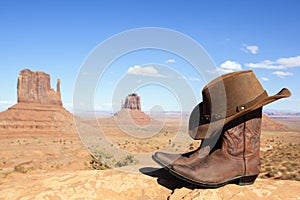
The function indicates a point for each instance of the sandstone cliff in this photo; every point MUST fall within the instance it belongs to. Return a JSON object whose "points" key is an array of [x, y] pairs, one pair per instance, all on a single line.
{"points": [[269, 124], [132, 117], [34, 87], [29, 116], [39, 107], [132, 101], [131, 113]]}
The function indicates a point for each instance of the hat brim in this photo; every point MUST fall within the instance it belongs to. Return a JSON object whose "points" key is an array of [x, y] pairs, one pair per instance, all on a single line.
{"points": [[207, 130]]}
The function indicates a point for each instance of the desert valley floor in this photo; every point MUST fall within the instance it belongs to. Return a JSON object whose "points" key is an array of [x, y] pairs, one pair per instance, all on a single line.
{"points": [[29, 153]]}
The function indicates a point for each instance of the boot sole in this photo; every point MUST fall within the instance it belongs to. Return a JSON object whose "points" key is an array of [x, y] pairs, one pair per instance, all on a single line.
{"points": [[158, 161], [239, 180]]}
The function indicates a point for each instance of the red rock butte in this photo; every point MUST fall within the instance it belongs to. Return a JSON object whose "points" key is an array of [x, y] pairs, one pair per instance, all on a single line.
{"points": [[34, 87], [131, 112], [132, 102], [39, 107]]}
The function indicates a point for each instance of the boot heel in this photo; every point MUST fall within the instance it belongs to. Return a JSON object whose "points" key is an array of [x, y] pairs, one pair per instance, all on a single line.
{"points": [[247, 180]]}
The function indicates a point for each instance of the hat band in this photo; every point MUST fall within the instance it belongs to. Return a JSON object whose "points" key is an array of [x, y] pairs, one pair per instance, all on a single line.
{"points": [[231, 112]]}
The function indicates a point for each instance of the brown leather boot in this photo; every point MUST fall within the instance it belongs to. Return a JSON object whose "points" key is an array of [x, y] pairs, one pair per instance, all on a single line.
{"points": [[166, 159], [236, 162], [207, 145]]}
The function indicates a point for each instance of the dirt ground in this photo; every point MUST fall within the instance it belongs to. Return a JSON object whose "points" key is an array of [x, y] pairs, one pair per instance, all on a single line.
{"points": [[24, 153], [39, 152]]}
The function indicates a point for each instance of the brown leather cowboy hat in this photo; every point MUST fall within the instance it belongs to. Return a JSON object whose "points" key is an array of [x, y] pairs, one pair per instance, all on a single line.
{"points": [[226, 98]]}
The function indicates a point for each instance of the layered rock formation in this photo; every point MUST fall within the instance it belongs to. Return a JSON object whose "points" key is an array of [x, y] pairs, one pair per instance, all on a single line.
{"points": [[261, 189], [269, 124], [39, 117], [39, 107], [34, 87], [132, 117], [132, 101]]}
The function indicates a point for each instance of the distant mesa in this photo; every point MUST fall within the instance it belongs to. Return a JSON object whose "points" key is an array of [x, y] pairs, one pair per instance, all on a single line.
{"points": [[132, 101], [131, 112], [269, 124], [39, 107]]}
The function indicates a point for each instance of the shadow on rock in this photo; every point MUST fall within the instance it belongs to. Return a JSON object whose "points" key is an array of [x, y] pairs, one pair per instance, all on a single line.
{"points": [[165, 178]]}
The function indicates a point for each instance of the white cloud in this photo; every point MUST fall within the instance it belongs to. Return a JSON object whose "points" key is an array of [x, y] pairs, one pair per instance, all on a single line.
{"points": [[231, 65], [265, 78], [144, 71], [227, 67], [170, 61], [250, 49], [266, 64], [289, 62], [281, 63], [282, 74]]}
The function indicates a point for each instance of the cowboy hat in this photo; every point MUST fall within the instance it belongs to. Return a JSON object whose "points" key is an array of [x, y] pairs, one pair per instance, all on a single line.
{"points": [[226, 98]]}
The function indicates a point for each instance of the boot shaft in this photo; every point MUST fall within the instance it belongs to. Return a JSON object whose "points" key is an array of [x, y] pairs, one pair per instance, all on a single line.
{"points": [[252, 137], [252, 146], [241, 140]]}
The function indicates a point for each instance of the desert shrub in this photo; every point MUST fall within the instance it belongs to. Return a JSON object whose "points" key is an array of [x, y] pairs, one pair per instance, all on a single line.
{"points": [[128, 160], [24, 167], [97, 164], [282, 162], [20, 169], [101, 160]]}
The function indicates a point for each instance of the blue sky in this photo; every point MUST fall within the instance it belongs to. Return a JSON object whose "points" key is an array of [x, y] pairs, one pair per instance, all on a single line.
{"points": [[57, 36]]}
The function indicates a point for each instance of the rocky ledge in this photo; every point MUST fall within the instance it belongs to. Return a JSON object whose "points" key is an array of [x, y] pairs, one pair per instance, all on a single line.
{"points": [[114, 184]]}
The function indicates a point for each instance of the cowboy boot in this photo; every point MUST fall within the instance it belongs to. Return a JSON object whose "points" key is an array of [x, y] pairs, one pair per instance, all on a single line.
{"points": [[236, 162], [207, 145], [167, 159]]}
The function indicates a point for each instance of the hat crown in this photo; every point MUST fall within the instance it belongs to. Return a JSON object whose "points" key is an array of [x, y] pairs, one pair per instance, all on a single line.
{"points": [[230, 93]]}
